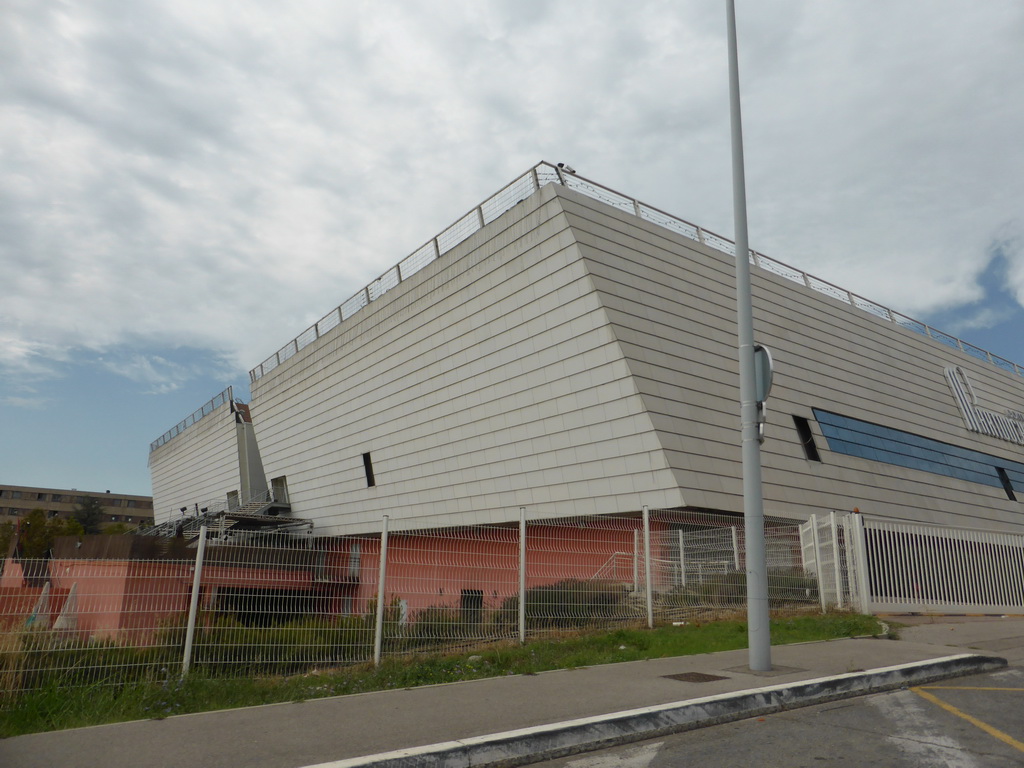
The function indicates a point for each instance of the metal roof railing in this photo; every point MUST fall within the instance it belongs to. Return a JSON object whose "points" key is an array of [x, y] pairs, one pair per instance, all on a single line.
{"points": [[546, 173], [215, 403]]}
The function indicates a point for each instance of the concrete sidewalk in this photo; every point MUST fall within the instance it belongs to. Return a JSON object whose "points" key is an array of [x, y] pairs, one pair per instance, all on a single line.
{"points": [[511, 720]]}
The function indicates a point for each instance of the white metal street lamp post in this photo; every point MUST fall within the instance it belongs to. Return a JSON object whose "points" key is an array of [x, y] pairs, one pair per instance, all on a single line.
{"points": [[758, 630]]}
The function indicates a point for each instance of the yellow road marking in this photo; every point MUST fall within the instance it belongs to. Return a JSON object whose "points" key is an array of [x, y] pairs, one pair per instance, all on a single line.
{"points": [[1003, 737], [967, 688]]}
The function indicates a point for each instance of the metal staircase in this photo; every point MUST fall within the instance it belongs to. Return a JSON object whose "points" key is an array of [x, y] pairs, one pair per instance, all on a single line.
{"points": [[260, 511]]}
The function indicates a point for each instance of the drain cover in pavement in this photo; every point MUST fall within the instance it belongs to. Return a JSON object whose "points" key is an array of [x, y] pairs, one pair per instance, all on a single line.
{"points": [[695, 677]]}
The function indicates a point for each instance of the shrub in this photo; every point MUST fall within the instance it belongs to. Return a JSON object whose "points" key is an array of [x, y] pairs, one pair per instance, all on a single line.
{"points": [[786, 586], [223, 645], [33, 659], [570, 604]]}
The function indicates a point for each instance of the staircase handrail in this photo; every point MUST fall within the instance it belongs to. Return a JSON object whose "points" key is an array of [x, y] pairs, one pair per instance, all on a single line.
{"points": [[609, 565]]}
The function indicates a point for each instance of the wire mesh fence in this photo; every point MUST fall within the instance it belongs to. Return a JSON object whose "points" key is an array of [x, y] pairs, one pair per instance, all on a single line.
{"points": [[700, 565], [253, 603], [450, 587], [71, 623]]}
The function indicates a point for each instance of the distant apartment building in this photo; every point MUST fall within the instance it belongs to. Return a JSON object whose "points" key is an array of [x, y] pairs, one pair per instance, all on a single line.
{"points": [[16, 501]]}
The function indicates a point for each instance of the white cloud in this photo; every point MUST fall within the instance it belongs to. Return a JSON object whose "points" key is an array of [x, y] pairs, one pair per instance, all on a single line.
{"points": [[1010, 244], [159, 374], [25, 358], [979, 318], [191, 175]]}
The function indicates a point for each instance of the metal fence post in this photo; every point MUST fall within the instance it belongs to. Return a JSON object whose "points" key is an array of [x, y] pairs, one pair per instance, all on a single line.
{"points": [[836, 565], [860, 553], [382, 572], [522, 574], [682, 560], [636, 561], [735, 547], [647, 568], [193, 608], [804, 530], [819, 571]]}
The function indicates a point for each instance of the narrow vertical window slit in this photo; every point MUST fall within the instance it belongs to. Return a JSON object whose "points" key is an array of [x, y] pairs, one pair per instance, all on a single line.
{"points": [[1007, 484], [803, 431], [368, 467]]}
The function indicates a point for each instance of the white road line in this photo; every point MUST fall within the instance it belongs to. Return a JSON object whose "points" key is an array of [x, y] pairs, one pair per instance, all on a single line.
{"points": [[631, 757]]}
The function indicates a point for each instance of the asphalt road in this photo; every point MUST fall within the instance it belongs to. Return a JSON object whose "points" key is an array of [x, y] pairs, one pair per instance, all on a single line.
{"points": [[970, 722]]}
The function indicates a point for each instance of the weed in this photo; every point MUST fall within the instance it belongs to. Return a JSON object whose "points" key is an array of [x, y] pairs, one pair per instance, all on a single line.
{"points": [[786, 587], [572, 604], [54, 706]]}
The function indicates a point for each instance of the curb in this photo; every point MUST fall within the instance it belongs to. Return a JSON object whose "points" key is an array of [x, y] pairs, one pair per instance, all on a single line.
{"points": [[545, 742]]}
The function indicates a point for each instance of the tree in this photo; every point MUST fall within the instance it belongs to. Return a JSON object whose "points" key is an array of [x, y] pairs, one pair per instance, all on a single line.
{"points": [[89, 514], [6, 537], [36, 533]]}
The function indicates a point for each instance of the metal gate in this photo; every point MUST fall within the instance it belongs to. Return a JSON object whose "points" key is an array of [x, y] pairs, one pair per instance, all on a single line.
{"points": [[884, 566], [830, 546]]}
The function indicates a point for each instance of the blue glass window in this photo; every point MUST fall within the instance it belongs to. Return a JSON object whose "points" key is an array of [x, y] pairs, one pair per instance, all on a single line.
{"points": [[904, 449]]}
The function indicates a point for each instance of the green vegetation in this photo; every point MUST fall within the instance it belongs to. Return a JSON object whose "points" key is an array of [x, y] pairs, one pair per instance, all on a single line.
{"points": [[55, 706], [785, 587], [116, 529], [572, 604], [6, 537], [38, 532], [226, 647], [89, 514], [37, 659]]}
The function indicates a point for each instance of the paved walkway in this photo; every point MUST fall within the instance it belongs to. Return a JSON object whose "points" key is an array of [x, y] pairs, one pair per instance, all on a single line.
{"points": [[514, 718]]}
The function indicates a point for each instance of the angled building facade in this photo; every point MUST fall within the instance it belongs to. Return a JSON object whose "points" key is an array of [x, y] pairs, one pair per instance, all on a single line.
{"points": [[210, 459], [571, 351]]}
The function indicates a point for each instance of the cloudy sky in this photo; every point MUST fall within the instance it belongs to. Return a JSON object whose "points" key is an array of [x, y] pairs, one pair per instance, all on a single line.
{"points": [[185, 186]]}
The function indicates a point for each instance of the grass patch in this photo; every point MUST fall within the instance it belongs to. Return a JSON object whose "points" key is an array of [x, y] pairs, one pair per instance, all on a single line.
{"points": [[56, 707]]}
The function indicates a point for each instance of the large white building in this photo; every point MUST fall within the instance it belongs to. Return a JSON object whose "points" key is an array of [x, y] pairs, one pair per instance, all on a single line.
{"points": [[569, 350]]}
